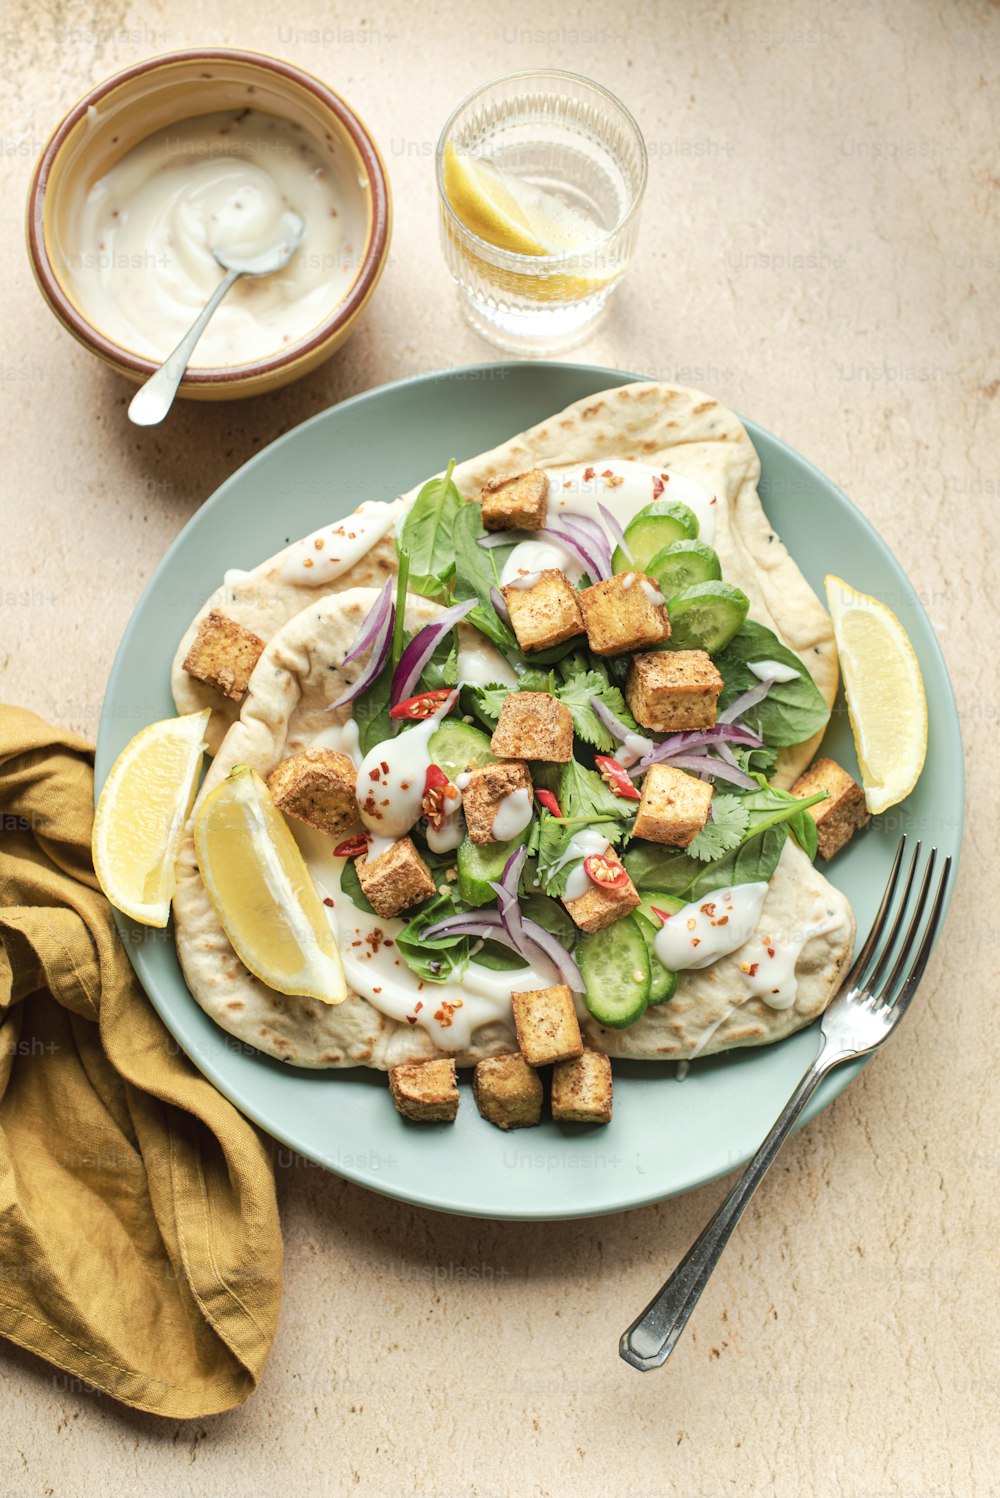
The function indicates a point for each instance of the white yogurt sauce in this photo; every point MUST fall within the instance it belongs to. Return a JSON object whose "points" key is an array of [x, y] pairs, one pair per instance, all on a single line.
{"points": [[139, 248], [480, 664], [767, 962], [632, 749], [452, 830], [529, 558], [328, 553], [512, 815], [624, 488], [582, 844], [772, 670], [342, 737], [709, 928]]}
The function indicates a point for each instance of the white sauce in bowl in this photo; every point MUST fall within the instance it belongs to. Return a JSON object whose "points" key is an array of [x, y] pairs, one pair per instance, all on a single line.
{"points": [[140, 261]]}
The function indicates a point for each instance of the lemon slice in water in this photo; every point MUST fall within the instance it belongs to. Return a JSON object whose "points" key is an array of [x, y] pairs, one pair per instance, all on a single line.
{"points": [[885, 694], [141, 814], [262, 892]]}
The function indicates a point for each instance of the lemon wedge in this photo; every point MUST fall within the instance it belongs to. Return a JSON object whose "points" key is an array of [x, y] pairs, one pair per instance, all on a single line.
{"points": [[516, 216], [885, 694], [141, 813], [262, 892]]}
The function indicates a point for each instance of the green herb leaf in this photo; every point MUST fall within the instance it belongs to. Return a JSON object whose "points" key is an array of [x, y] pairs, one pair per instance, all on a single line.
{"points": [[577, 691], [399, 626], [486, 702], [582, 794], [792, 711], [426, 535], [371, 711], [449, 954], [442, 668], [723, 831], [477, 570]]}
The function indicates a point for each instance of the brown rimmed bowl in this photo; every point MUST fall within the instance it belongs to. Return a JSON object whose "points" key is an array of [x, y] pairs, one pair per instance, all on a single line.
{"points": [[163, 91]]}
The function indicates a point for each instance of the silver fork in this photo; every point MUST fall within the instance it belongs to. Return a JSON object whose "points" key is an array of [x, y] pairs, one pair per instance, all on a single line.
{"points": [[864, 1013]]}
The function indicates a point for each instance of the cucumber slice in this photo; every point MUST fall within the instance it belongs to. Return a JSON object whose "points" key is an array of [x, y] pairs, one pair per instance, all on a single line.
{"points": [[655, 528], [662, 980], [614, 964], [457, 746], [654, 900], [478, 863], [683, 564], [706, 616]]}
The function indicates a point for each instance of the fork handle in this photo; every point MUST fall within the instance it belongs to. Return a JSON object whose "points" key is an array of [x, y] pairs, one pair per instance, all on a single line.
{"points": [[651, 1338]]}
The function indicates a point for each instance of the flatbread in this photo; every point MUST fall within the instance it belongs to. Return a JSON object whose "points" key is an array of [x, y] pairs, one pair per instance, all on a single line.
{"points": [[668, 426], [286, 708], [309, 630]]}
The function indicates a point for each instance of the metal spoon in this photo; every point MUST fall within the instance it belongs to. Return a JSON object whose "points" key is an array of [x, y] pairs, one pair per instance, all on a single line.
{"points": [[153, 400]]}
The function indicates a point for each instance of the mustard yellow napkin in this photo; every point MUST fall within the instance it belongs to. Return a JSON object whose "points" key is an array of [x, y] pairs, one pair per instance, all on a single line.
{"points": [[140, 1248]]}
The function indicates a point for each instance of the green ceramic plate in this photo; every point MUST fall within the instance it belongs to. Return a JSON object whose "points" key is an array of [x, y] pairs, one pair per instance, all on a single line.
{"points": [[665, 1138]]}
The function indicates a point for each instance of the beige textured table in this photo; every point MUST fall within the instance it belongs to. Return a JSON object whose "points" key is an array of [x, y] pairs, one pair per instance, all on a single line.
{"points": [[820, 250]]}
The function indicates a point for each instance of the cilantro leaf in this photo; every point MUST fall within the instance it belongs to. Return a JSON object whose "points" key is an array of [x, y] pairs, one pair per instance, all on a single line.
{"points": [[550, 841], [583, 794], [723, 831], [577, 692], [486, 702]]}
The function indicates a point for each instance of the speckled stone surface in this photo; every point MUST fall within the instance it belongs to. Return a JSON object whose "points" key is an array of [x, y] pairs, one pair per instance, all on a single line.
{"points": [[821, 251]]}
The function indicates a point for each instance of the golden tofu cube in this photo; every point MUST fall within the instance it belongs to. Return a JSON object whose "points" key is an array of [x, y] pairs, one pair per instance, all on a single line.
{"points": [[581, 1089], [516, 501], [395, 880], [671, 690], [488, 788], [603, 904], [223, 655], [547, 1026], [508, 1092], [838, 819], [673, 808], [425, 1091], [544, 609], [534, 725], [624, 613], [317, 787]]}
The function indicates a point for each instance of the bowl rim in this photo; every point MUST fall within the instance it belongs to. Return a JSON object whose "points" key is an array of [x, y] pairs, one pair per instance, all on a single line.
{"points": [[362, 286]]}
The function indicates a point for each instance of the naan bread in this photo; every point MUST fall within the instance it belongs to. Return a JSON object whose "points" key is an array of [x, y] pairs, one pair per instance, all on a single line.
{"points": [[668, 426]]}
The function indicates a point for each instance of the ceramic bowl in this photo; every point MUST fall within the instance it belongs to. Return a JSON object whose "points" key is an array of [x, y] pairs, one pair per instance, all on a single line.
{"points": [[161, 92]]}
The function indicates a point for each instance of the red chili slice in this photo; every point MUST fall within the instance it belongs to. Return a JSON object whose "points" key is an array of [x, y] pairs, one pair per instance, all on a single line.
{"points": [[664, 915], [425, 705], [436, 788], [604, 871], [549, 802], [353, 846], [615, 777]]}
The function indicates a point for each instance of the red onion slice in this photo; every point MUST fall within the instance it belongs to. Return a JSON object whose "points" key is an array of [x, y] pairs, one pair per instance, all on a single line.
{"points": [[421, 648], [563, 961], [717, 769], [579, 548], [376, 661], [683, 743], [496, 599], [745, 700], [590, 534], [371, 623], [614, 526], [502, 538]]}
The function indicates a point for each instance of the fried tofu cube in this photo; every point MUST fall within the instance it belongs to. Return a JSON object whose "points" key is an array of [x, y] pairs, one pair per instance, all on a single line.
{"points": [[838, 819], [534, 725], [581, 1089], [624, 613], [223, 655], [516, 501], [395, 880], [485, 799], [425, 1091], [544, 609], [603, 904], [317, 787], [673, 807], [508, 1092], [547, 1026], [670, 690]]}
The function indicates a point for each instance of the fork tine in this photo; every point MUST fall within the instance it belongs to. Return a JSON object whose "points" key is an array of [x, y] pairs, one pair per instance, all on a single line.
{"points": [[885, 954], [861, 961], [912, 981], [907, 945]]}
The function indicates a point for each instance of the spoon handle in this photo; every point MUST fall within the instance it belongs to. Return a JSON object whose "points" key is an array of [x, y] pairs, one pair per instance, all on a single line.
{"points": [[153, 400]]}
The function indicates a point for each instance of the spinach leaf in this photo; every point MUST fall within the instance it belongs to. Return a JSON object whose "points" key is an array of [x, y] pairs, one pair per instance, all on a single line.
{"points": [[792, 710], [371, 711], [426, 535], [442, 668], [770, 813], [442, 958], [351, 886], [553, 917], [477, 570]]}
